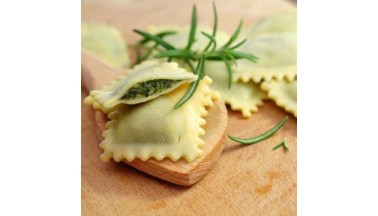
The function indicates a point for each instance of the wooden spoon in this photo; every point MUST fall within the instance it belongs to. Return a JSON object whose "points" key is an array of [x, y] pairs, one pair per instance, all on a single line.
{"points": [[95, 74]]}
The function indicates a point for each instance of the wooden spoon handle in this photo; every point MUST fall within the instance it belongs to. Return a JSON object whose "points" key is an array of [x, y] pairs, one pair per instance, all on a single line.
{"points": [[95, 73]]}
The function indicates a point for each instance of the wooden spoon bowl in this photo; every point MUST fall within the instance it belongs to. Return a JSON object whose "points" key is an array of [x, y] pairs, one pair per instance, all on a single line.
{"points": [[95, 74]]}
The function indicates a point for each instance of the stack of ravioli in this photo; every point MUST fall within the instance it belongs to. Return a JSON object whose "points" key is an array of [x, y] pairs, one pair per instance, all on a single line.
{"points": [[143, 122]]}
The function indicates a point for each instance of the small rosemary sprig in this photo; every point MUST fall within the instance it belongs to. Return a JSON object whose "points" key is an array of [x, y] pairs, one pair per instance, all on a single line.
{"points": [[261, 137], [226, 53], [282, 144]]}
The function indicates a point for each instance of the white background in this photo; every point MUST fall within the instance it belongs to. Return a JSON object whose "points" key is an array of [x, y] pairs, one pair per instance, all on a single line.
{"points": [[40, 108], [338, 108]]}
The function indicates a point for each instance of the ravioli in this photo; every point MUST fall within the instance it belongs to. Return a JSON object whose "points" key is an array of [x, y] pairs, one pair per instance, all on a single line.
{"points": [[145, 82], [106, 43], [155, 129], [284, 93], [277, 55], [242, 96], [273, 24], [273, 39]]}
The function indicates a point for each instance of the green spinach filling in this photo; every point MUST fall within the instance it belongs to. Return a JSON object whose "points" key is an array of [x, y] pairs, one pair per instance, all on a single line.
{"points": [[148, 88]]}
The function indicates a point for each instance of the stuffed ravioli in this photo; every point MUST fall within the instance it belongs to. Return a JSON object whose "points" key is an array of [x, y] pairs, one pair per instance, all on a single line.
{"points": [[155, 129], [106, 43], [145, 82]]}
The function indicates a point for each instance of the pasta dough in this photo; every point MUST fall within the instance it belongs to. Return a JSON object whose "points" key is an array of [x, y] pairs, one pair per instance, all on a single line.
{"points": [[273, 39], [277, 55], [275, 23], [284, 93], [106, 43], [145, 82], [155, 129], [242, 96]]}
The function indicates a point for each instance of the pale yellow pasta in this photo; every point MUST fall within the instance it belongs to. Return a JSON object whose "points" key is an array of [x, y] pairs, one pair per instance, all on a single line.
{"points": [[284, 93], [275, 23], [155, 129], [242, 96], [277, 55], [106, 43], [273, 39], [117, 92]]}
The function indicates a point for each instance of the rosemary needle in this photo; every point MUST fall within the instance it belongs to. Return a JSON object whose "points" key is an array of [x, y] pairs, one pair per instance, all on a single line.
{"points": [[193, 86], [215, 28], [229, 71], [154, 38], [193, 28], [282, 143], [211, 40], [160, 34], [261, 137]]}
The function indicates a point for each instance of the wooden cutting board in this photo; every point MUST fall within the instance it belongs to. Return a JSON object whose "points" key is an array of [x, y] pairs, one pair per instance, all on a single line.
{"points": [[247, 180]]}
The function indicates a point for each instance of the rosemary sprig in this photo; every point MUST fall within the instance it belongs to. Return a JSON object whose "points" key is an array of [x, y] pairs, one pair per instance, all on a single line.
{"points": [[266, 135], [282, 144], [226, 53]]}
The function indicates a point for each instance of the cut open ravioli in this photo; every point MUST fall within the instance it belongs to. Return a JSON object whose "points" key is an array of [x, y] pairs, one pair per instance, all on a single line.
{"points": [[242, 96], [284, 93], [155, 129], [145, 82], [106, 43]]}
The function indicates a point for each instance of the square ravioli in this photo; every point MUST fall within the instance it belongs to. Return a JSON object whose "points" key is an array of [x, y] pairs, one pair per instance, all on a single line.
{"points": [[155, 129]]}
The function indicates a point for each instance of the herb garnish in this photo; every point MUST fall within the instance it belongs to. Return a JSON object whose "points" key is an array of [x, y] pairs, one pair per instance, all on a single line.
{"points": [[225, 53], [283, 143], [266, 135]]}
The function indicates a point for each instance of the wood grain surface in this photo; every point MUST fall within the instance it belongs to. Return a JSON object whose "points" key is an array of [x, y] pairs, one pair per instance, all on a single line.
{"points": [[247, 180]]}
